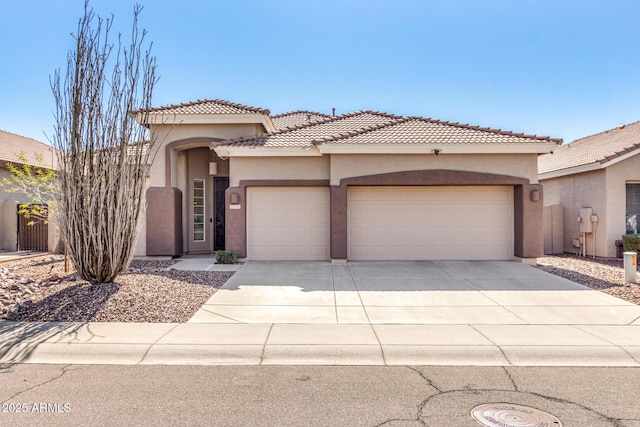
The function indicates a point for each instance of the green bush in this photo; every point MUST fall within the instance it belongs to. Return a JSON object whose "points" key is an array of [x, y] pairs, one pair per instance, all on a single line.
{"points": [[226, 257], [631, 243]]}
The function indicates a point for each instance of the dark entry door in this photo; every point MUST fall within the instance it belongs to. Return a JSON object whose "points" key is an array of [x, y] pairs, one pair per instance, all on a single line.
{"points": [[220, 185]]}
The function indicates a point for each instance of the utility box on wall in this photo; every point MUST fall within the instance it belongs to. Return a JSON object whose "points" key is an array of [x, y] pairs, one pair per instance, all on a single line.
{"points": [[553, 228], [585, 220]]}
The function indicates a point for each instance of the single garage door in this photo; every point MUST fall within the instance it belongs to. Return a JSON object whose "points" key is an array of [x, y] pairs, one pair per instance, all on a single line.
{"points": [[288, 223], [430, 223]]}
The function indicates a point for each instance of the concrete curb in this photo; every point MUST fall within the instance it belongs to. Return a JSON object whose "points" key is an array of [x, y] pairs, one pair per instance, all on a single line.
{"points": [[286, 344]]}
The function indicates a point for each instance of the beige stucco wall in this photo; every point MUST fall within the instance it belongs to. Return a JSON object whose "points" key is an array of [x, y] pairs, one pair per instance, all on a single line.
{"points": [[245, 168], [520, 165], [8, 214], [573, 193], [617, 176], [165, 134], [605, 191], [338, 166]]}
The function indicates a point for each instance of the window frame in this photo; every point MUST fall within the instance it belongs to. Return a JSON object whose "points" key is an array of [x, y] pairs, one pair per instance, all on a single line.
{"points": [[196, 206]]}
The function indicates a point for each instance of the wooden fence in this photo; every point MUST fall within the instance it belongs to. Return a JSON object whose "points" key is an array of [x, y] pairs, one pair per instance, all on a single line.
{"points": [[33, 237]]}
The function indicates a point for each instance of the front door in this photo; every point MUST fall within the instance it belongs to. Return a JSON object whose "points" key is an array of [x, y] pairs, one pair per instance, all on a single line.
{"points": [[220, 185]]}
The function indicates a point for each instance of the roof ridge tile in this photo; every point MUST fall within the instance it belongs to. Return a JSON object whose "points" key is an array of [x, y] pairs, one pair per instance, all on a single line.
{"points": [[290, 113], [209, 100]]}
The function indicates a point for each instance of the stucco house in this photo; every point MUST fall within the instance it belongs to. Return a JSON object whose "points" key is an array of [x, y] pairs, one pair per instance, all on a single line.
{"points": [[11, 145], [359, 186], [601, 172]]}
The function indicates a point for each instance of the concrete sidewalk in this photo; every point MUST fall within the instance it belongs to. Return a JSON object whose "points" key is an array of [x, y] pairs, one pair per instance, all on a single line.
{"points": [[376, 313]]}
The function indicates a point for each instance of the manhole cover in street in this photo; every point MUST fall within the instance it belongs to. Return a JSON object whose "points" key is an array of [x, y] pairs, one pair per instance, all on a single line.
{"points": [[511, 415]]}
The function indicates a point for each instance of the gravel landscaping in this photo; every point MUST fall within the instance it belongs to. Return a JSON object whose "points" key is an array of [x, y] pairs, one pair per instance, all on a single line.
{"points": [[37, 289], [606, 275]]}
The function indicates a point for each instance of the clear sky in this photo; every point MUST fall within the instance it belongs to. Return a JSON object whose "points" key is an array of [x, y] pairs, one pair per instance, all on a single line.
{"points": [[563, 68]]}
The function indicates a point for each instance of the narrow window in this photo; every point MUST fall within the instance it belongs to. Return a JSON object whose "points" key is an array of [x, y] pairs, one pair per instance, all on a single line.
{"points": [[633, 208], [198, 210]]}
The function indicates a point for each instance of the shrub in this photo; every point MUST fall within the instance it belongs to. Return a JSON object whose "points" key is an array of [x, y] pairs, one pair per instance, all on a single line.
{"points": [[631, 243], [226, 257]]}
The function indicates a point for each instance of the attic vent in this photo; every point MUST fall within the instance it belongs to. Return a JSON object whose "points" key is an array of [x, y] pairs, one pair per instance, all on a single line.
{"points": [[308, 117], [621, 127]]}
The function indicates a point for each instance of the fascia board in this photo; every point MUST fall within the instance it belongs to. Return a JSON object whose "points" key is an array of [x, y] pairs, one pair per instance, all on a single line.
{"points": [[570, 171], [588, 168], [226, 151], [621, 158], [199, 119], [515, 148]]}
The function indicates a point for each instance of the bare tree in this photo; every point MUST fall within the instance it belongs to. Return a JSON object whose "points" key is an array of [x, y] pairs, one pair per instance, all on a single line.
{"points": [[102, 151]]}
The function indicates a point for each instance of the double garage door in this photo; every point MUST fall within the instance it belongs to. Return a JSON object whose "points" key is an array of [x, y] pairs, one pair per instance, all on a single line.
{"points": [[383, 223]]}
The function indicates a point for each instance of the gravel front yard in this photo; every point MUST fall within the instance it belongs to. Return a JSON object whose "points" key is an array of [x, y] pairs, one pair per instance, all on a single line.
{"points": [[37, 289], [606, 275]]}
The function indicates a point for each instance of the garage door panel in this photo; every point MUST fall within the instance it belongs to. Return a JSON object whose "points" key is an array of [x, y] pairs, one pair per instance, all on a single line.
{"points": [[288, 223], [430, 223]]}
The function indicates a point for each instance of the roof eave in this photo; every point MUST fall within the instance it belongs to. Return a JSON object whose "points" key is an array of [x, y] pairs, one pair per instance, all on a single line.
{"points": [[570, 171], [254, 151], [429, 148], [205, 119], [602, 164]]}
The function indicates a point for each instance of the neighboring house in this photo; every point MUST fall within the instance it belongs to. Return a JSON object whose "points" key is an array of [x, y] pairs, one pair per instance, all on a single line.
{"points": [[601, 172], [358, 186], [11, 145]]}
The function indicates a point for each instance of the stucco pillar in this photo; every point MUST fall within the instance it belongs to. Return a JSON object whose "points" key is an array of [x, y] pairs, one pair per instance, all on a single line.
{"points": [[235, 237], [528, 215], [164, 221], [338, 222], [10, 225]]}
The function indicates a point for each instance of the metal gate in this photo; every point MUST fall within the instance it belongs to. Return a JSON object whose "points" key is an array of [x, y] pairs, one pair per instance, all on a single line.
{"points": [[33, 237]]}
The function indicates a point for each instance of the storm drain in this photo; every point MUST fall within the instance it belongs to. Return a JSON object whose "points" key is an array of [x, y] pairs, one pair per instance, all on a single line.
{"points": [[511, 415]]}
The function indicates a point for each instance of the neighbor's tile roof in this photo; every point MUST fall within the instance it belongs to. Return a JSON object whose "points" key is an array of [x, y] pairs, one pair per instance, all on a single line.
{"points": [[370, 127], [11, 145], [598, 148], [208, 106], [296, 118], [421, 130], [303, 135]]}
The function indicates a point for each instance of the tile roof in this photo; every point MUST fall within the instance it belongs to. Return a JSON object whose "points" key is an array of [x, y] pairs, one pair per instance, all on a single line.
{"points": [[421, 130], [598, 148], [303, 135], [208, 106], [370, 127], [11, 145], [296, 118]]}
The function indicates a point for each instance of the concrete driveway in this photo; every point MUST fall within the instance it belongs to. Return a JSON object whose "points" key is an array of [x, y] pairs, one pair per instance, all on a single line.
{"points": [[362, 313], [423, 312], [409, 292]]}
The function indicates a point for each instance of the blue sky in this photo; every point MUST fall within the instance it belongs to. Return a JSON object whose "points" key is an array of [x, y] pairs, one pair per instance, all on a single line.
{"points": [[565, 69]]}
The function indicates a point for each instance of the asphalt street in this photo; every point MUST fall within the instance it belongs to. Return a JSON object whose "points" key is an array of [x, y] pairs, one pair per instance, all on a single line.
{"points": [[104, 395]]}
